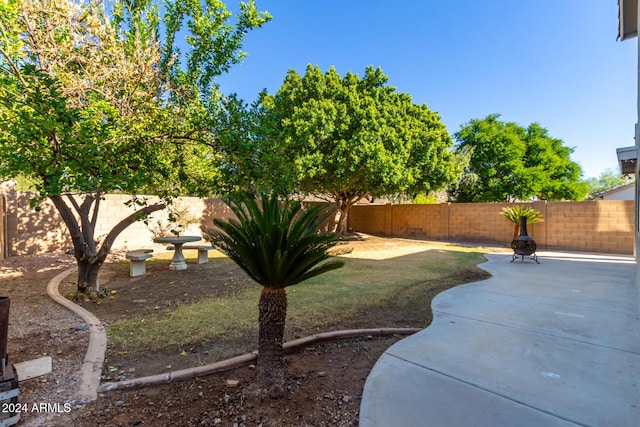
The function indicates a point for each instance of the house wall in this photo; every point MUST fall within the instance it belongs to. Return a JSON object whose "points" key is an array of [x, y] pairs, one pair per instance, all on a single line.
{"points": [[593, 226], [626, 192], [637, 143]]}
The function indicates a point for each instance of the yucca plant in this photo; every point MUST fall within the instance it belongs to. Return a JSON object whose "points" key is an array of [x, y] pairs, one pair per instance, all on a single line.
{"points": [[513, 214], [277, 244]]}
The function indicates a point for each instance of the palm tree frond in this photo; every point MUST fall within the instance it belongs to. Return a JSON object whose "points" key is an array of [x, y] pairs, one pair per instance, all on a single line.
{"points": [[513, 214], [275, 242]]}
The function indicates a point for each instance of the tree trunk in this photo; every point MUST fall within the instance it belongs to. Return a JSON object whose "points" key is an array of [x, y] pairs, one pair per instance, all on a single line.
{"points": [[88, 276], [344, 202], [273, 312], [88, 258], [342, 227]]}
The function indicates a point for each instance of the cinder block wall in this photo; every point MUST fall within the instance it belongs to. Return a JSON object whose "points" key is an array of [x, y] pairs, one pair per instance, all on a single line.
{"points": [[598, 226], [30, 231], [593, 226]]}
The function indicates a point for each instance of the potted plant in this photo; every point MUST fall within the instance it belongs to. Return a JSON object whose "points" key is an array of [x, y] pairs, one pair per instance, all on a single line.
{"points": [[513, 214]]}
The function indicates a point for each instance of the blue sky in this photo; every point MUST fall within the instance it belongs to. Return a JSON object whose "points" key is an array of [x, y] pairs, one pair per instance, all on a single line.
{"points": [[555, 62]]}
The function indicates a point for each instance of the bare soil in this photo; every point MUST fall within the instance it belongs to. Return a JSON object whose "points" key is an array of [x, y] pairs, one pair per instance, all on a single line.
{"points": [[324, 382]]}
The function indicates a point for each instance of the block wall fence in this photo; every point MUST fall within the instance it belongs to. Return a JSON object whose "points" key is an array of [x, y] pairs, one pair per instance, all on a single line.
{"points": [[591, 226], [594, 226], [28, 231]]}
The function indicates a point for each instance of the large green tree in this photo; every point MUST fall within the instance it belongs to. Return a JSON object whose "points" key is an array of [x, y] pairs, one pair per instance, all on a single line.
{"points": [[348, 138], [95, 100], [509, 162]]}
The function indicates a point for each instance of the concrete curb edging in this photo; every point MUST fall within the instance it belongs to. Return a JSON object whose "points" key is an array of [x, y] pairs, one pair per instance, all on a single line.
{"points": [[91, 370], [237, 361]]}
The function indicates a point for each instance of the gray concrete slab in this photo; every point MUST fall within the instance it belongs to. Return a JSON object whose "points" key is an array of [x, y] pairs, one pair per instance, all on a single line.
{"points": [[550, 344]]}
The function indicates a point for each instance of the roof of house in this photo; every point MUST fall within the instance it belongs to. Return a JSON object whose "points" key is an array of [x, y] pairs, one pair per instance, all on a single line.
{"points": [[617, 189], [627, 19]]}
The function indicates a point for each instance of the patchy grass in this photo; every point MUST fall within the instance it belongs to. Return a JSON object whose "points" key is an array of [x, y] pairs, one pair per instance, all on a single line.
{"points": [[380, 285]]}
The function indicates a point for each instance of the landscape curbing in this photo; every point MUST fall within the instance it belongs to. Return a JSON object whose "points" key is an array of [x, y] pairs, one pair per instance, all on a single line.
{"points": [[237, 361], [91, 370]]}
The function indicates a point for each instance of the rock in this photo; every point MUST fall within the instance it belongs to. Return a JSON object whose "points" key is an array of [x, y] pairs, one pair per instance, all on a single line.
{"points": [[119, 404], [322, 374], [81, 327], [276, 391], [232, 383]]}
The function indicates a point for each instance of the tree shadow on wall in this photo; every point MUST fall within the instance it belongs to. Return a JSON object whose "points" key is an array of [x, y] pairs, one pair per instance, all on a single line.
{"points": [[214, 208], [217, 208], [33, 231]]}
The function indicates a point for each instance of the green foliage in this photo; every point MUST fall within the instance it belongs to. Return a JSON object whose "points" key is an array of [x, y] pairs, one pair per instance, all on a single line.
{"points": [[425, 199], [607, 180], [509, 162], [349, 137], [178, 220], [276, 243], [513, 214], [244, 163], [130, 113]]}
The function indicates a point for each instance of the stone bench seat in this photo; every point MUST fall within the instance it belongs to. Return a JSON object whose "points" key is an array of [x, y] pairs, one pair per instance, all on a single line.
{"points": [[138, 257], [203, 251]]}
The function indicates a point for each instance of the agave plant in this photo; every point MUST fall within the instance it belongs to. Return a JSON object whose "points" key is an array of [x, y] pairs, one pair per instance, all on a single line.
{"points": [[513, 214], [278, 245]]}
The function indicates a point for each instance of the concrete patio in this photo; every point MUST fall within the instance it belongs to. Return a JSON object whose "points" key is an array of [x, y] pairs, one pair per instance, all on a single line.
{"points": [[555, 344]]}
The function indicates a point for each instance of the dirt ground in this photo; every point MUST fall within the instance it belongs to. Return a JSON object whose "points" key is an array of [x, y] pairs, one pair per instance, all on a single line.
{"points": [[324, 382]]}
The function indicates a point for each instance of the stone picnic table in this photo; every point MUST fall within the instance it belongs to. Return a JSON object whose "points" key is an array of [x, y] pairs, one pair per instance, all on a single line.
{"points": [[178, 261]]}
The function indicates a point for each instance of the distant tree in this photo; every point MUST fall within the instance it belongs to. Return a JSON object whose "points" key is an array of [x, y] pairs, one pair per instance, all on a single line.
{"points": [[608, 179], [278, 245], [245, 161], [349, 138], [94, 100], [511, 162]]}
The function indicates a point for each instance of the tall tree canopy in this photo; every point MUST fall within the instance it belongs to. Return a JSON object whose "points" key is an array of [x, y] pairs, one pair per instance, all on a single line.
{"points": [[508, 161], [94, 100], [350, 137]]}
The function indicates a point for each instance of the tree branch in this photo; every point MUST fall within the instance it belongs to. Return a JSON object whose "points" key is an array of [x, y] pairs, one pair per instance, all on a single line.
{"points": [[13, 66], [122, 225], [72, 224]]}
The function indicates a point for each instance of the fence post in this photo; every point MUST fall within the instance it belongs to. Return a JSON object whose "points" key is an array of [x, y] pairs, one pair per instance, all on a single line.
{"points": [[4, 332]]}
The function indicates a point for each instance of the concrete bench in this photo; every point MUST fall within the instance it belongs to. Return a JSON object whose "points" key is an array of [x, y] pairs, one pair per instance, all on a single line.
{"points": [[203, 251], [138, 266]]}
